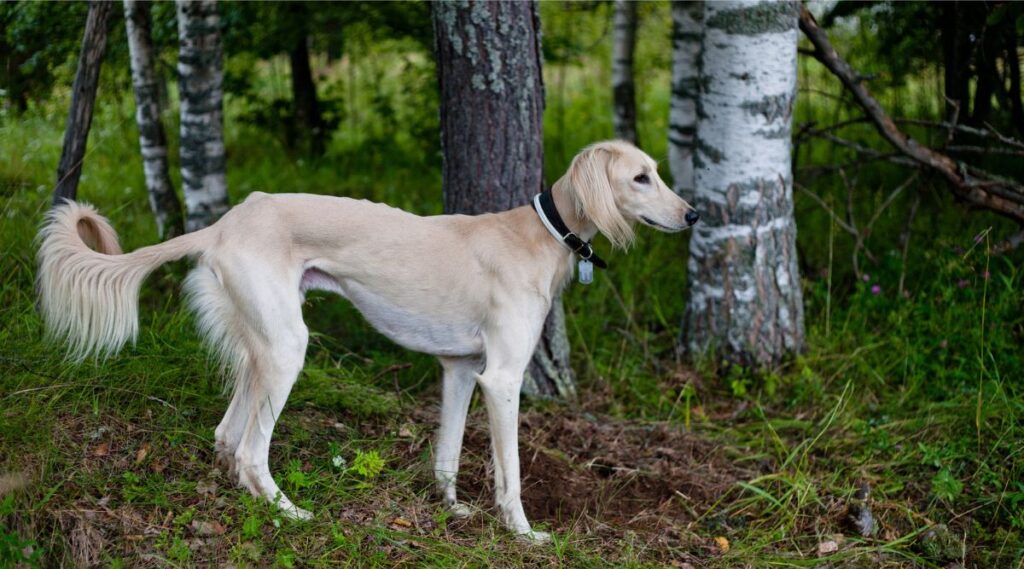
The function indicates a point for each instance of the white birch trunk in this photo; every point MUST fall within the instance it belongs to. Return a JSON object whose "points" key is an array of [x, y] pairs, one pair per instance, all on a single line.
{"points": [[623, 88], [687, 26], [152, 139], [200, 77], [745, 298]]}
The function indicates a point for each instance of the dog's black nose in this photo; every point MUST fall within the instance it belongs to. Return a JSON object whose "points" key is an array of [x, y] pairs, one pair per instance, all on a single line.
{"points": [[692, 217]]}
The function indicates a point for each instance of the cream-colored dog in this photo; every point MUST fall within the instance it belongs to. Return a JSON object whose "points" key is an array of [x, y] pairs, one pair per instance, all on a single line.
{"points": [[472, 290]]}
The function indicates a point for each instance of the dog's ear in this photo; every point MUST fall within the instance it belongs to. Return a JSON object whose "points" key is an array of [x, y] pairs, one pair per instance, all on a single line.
{"points": [[589, 178]]}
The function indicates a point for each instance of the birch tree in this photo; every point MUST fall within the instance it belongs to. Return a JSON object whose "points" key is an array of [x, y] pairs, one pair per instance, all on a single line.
{"points": [[623, 87], [152, 139], [83, 98], [492, 106], [687, 23], [200, 83], [745, 300]]}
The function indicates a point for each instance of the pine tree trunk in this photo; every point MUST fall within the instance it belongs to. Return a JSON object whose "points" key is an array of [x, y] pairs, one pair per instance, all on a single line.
{"points": [[745, 300], [83, 97], [200, 80], [305, 105], [687, 26], [492, 106], [623, 89], [152, 139]]}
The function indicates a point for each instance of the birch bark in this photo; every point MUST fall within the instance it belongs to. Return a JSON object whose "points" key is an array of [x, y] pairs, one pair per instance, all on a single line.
{"points": [[687, 26], [200, 80], [745, 299], [623, 86], [152, 139]]}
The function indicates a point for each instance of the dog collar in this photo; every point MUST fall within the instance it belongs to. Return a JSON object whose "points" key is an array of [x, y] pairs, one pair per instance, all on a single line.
{"points": [[544, 205]]}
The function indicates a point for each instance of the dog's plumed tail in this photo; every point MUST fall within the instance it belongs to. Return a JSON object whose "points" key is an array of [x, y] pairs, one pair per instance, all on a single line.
{"points": [[89, 290]]}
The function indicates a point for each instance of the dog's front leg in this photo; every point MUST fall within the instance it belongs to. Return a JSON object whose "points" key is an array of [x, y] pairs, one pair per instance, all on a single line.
{"points": [[501, 395], [457, 391]]}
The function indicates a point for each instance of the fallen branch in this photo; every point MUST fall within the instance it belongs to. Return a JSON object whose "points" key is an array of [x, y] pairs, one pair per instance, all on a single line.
{"points": [[1000, 196]]}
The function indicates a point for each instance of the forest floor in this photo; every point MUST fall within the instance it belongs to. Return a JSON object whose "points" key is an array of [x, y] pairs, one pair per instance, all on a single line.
{"points": [[915, 395]]}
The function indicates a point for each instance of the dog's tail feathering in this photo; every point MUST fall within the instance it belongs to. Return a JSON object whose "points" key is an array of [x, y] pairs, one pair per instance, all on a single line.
{"points": [[88, 290]]}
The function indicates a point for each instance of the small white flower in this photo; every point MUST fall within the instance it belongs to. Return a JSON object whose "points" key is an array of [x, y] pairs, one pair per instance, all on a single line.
{"points": [[339, 461], [277, 522]]}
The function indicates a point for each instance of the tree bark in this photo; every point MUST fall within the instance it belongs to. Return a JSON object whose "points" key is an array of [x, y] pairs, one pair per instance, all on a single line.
{"points": [[956, 60], [492, 105], [687, 26], [745, 302], [1013, 62], [306, 106], [83, 97], [623, 87], [152, 139], [200, 84]]}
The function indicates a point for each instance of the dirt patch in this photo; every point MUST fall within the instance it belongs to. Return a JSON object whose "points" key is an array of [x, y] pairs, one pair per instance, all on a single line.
{"points": [[597, 471]]}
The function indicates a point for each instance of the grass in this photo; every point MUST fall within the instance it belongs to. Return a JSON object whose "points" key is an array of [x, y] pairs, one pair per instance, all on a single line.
{"points": [[660, 463]]}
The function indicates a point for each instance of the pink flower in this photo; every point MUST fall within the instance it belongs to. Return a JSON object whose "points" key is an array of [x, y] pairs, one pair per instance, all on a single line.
{"points": [[943, 344], [876, 289], [963, 283], [986, 275]]}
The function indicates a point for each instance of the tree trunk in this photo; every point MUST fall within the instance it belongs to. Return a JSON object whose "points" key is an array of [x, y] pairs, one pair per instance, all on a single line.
{"points": [[83, 97], [745, 300], [687, 26], [1013, 62], [152, 140], [305, 105], [623, 89], [492, 106], [200, 83]]}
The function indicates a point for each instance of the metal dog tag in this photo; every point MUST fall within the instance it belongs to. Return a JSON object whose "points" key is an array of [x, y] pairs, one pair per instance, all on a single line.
{"points": [[586, 272]]}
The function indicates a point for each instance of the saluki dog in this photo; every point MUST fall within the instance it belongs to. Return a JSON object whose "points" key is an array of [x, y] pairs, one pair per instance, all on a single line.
{"points": [[472, 290]]}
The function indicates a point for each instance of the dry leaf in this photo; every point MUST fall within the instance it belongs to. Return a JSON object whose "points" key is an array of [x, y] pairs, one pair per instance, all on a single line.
{"points": [[102, 449], [826, 547], [142, 453], [722, 543], [206, 488], [405, 432], [401, 522], [207, 529]]}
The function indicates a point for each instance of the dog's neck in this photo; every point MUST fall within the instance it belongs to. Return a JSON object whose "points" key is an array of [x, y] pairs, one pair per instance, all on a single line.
{"points": [[580, 225]]}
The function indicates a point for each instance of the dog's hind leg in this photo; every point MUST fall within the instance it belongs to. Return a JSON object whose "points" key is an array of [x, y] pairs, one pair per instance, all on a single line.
{"points": [[275, 338], [457, 391]]}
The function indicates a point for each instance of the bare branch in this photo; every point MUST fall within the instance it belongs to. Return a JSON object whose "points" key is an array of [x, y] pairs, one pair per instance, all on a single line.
{"points": [[1008, 201]]}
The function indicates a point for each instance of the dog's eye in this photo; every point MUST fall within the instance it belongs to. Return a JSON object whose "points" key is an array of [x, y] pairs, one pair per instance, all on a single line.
{"points": [[642, 179]]}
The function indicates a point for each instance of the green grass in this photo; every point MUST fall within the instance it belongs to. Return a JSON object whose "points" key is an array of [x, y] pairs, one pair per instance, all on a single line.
{"points": [[917, 395]]}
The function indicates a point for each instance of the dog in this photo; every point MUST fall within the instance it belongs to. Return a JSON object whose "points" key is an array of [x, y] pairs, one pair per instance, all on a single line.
{"points": [[472, 290]]}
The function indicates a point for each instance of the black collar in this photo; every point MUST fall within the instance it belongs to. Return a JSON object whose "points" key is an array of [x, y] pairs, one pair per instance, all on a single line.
{"points": [[544, 205]]}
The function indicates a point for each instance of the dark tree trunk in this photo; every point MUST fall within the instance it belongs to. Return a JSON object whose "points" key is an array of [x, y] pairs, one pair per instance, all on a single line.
{"points": [[152, 139], [83, 97], [492, 105], [956, 51], [200, 81], [1013, 62], [988, 77], [306, 106], [623, 86]]}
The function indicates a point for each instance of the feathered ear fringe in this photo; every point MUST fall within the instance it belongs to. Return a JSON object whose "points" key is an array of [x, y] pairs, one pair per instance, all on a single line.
{"points": [[591, 190]]}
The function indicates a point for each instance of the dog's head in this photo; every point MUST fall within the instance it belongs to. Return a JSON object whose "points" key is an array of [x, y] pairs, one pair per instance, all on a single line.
{"points": [[614, 185]]}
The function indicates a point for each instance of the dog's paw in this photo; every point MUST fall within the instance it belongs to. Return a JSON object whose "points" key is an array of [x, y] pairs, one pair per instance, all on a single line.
{"points": [[535, 537], [460, 510], [296, 513]]}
